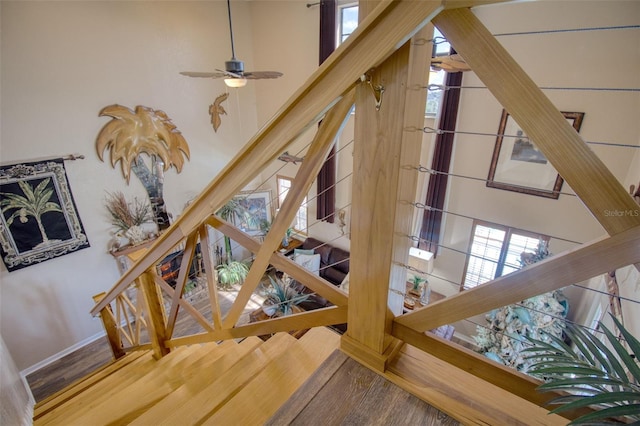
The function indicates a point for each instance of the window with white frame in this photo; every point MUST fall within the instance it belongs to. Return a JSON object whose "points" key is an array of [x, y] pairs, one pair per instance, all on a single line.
{"points": [[347, 20], [441, 47], [300, 221], [495, 251]]}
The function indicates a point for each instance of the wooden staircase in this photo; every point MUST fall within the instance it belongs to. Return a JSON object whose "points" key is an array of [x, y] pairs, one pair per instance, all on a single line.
{"points": [[197, 384]]}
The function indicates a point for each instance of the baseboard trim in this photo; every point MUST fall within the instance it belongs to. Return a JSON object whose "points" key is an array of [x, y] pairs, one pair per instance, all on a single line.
{"points": [[37, 366]]}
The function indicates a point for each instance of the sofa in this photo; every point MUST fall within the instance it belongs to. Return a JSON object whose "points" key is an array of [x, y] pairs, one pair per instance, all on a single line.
{"points": [[334, 267]]}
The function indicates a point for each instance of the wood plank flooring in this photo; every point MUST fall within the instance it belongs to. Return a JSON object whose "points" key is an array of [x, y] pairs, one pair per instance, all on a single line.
{"points": [[343, 392]]}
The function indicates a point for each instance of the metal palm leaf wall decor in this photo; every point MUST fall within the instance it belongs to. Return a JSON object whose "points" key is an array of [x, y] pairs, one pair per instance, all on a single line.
{"points": [[143, 131]]}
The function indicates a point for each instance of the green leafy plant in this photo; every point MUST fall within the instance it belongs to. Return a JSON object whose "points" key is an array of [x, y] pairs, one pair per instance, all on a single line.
{"points": [[231, 273], [234, 211], [281, 295], [416, 281], [604, 377]]}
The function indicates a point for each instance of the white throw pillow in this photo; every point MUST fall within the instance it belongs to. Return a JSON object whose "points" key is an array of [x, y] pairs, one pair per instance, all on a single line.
{"points": [[344, 285], [309, 261]]}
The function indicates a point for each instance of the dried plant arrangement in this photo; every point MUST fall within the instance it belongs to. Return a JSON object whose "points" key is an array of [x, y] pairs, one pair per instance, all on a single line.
{"points": [[125, 214]]}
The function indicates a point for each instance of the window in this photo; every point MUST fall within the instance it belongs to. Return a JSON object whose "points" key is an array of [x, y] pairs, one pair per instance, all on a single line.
{"points": [[441, 47], [347, 20], [495, 251], [299, 223]]}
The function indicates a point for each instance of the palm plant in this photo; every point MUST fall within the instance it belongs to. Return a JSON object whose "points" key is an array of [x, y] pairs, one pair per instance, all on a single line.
{"points": [[230, 273], [281, 295], [34, 203], [234, 211], [593, 376]]}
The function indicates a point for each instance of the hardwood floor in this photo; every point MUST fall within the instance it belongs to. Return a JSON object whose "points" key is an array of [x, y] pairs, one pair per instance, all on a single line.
{"points": [[343, 392]]}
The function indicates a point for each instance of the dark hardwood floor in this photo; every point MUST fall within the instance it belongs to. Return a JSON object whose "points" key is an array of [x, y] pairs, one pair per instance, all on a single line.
{"points": [[343, 392]]}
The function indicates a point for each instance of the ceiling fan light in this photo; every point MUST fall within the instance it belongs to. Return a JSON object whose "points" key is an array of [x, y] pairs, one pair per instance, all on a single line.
{"points": [[235, 82]]}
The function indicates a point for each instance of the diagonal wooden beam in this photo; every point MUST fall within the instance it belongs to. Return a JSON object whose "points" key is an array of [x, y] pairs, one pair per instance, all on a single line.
{"points": [[183, 274], [207, 261], [184, 304], [385, 29], [587, 261], [319, 285], [325, 138], [587, 175]]}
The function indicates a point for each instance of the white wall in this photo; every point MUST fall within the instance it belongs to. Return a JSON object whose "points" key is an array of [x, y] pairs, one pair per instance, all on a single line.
{"points": [[62, 62]]}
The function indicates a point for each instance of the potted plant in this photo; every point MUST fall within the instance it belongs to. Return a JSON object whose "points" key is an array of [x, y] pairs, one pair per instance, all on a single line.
{"points": [[128, 218], [230, 273], [281, 297], [602, 376], [416, 281]]}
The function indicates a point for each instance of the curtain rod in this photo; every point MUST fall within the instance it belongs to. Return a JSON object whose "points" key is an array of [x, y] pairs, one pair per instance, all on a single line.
{"points": [[70, 157]]}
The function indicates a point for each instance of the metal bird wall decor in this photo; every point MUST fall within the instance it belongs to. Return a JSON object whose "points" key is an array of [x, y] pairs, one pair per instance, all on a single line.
{"points": [[216, 110], [288, 158]]}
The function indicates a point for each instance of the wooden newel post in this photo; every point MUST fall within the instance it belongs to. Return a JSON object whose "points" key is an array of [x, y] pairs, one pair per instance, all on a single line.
{"points": [[156, 314], [109, 323]]}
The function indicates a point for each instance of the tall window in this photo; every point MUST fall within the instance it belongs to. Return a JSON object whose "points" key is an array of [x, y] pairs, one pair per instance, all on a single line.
{"points": [[495, 251], [300, 221], [347, 20], [441, 47]]}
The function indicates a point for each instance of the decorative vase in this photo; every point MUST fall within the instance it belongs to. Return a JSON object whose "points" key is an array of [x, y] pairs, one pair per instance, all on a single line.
{"points": [[426, 294], [285, 241], [269, 310], [136, 235]]}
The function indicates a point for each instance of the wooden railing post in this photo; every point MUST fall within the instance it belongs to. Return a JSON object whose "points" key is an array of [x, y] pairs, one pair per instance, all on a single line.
{"points": [[156, 325], [110, 327], [382, 185]]}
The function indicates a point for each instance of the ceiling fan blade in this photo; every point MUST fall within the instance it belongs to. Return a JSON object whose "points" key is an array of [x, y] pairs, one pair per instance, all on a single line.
{"points": [[203, 74], [257, 75], [451, 63]]}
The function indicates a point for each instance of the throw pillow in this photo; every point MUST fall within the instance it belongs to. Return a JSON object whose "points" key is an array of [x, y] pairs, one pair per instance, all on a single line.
{"points": [[309, 261], [344, 285], [296, 252]]}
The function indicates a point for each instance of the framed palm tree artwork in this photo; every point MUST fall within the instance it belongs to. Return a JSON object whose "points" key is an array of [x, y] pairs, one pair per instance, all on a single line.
{"points": [[39, 220]]}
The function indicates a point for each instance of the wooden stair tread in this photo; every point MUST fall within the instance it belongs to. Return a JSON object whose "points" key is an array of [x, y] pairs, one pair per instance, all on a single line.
{"points": [[278, 380], [198, 398], [111, 386], [168, 374], [438, 383], [80, 385]]}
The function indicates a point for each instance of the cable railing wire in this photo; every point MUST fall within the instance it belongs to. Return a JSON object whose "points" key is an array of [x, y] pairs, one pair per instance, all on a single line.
{"points": [[423, 169], [422, 206], [429, 130]]}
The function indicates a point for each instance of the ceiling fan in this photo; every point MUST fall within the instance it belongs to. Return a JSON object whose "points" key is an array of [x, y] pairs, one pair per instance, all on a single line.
{"points": [[450, 63], [234, 74]]}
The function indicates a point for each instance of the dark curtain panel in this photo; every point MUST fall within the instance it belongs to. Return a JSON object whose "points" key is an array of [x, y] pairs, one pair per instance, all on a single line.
{"points": [[437, 189], [327, 177]]}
